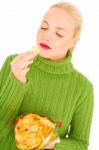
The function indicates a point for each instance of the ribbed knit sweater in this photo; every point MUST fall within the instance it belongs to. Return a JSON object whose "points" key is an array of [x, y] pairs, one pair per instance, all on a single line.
{"points": [[54, 89]]}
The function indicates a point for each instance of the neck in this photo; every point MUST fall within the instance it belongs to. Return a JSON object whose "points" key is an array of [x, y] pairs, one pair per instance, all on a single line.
{"points": [[58, 58]]}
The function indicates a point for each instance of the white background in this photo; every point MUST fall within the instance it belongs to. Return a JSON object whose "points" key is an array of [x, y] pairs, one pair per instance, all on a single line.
{"points": [[19, 21]]}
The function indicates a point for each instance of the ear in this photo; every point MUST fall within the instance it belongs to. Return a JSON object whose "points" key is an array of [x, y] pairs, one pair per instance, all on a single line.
{"points": [[74, 41]]}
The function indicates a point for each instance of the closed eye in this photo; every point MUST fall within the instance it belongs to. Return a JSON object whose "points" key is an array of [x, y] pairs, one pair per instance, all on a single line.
{"points": [[44, 28], [59, 35]]}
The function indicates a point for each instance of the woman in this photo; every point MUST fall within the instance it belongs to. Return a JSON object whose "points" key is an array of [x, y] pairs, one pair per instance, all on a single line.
{"points": [[52, 87]]}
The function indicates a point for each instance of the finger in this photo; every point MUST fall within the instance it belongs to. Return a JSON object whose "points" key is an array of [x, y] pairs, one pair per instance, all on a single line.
{"points": [[21, 60], [24, 71], [25, 64], [19, 56], [50, 146], [29, 56]]}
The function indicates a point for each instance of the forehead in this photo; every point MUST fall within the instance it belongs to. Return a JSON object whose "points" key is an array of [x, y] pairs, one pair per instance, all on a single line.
{"points": [[59, 17]]}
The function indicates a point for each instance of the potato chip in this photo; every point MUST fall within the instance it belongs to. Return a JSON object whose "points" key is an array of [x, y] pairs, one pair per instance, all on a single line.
{"points": [[36, 49]]}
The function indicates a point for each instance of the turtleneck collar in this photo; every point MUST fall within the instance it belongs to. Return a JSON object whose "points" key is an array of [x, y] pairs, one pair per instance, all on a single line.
{"points": [[55, 67]]}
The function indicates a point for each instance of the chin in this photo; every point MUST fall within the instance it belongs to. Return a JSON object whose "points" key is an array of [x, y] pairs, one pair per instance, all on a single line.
{"points": [[45, 55]]}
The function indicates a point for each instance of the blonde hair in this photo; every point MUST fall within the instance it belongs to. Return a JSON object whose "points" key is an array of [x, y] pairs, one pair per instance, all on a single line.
{"points": [[74, 12]]}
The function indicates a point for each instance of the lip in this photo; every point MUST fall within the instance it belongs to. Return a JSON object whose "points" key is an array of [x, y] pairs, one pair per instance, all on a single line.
{"points": [[45, 46]]}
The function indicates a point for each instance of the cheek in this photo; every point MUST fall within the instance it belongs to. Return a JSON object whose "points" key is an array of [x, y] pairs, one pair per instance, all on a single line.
{"points": [[66, 42], [60, 43], [39, 36]]}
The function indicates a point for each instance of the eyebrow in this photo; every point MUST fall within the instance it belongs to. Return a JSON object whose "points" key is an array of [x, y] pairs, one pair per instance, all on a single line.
{"points": [[60, 28]]}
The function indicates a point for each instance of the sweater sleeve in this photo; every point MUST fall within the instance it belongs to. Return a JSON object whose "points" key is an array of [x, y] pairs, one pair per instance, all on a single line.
{"points": [[78, 137], [12, 92]]}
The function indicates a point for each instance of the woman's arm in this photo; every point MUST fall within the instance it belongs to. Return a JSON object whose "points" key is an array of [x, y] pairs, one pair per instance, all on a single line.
{"points": [[12, 92], [81, 122]]}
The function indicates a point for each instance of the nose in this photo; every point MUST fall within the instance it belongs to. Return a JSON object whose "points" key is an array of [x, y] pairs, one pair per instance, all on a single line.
{"points": [[48, 36]]}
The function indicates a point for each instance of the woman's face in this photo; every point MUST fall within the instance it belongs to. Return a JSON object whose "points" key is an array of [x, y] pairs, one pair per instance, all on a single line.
{"points": [[55, 35]]}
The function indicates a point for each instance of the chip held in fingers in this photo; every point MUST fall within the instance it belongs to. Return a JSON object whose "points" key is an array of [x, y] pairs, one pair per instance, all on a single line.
{"points": [[36, 49]]}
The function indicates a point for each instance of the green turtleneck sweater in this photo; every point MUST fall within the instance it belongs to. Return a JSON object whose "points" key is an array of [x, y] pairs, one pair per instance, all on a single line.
{"points": [[54, 89]]}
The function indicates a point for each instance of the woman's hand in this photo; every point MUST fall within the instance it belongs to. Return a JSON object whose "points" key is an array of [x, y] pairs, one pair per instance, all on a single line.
{"points": [[19, 66], [50, 146]]}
